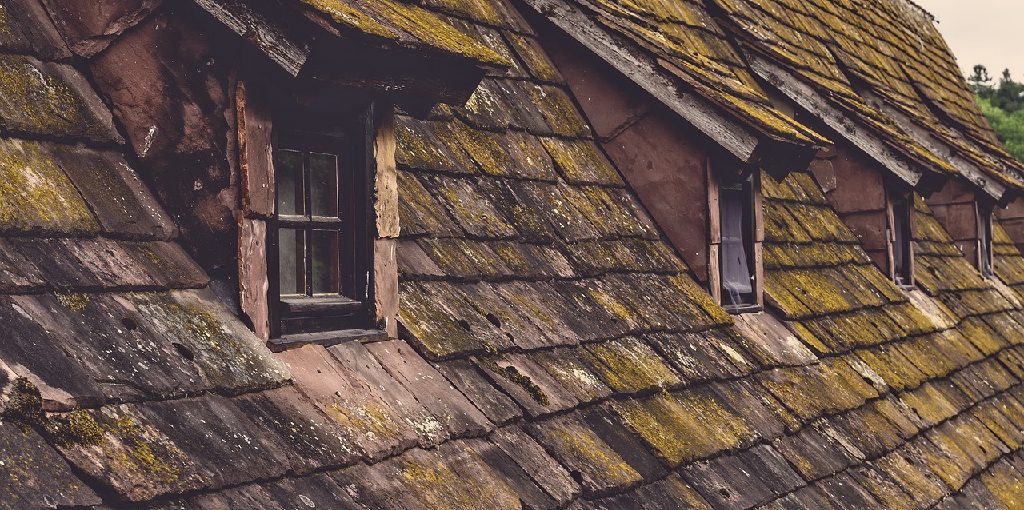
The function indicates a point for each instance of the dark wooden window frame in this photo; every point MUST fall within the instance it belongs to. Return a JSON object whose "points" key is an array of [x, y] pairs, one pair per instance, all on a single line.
{"points": [[900, 235], [753, 238], [986, 254], [348, 313]]}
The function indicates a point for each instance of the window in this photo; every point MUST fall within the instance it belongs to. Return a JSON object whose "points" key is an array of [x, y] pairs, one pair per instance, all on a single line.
{"points": [[737, 262], [985, 239], [321, 248], [902, 254]]}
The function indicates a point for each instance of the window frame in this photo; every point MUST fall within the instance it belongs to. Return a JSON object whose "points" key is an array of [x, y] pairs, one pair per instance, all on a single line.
{"points": [[902, 277], [753, 237], [986, 253], [351, 308]]}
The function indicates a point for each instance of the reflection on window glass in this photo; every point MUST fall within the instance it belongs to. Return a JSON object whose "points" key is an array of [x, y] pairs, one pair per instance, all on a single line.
{"points": [[325, 262], [291, 253], [736, 255], [290, 183], [323, 177], [986, 241], [901, 239]]}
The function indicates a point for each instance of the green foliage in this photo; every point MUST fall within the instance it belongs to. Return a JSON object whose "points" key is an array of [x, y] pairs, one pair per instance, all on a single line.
{"points": [[1003, 106], [1009, 127]]}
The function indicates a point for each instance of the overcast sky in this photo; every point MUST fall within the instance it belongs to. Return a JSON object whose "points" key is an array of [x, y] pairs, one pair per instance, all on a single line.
{"points": [[989, 32]]}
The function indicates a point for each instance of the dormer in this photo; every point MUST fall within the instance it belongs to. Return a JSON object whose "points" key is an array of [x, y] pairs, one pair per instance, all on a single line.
{"points": [[966, 214], [877, 206]]}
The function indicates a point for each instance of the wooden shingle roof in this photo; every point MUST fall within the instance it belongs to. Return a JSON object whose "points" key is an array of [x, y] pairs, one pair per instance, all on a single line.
{"points": [[555, 351]]}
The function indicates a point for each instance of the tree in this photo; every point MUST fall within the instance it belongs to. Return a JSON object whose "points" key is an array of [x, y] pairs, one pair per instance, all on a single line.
{"points": [[980, 81]]}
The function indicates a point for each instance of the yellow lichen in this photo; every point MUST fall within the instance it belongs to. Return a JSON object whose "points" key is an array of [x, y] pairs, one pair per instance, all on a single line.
{"points": [[684, 428], [34, 100], [73, 301], [36, 194]]}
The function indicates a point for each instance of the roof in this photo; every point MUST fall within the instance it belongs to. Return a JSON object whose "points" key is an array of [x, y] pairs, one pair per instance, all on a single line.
{"points": [[884, 63], [555, 352]]}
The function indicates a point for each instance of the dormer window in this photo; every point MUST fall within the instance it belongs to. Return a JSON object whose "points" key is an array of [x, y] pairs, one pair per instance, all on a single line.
{"points": [[322, 261], [316, 238], [985, 259], [900, 248], [735, 269], [736, 253]]}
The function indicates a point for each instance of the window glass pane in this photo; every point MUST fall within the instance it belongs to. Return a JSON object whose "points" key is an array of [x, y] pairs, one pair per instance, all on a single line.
{"points": [[323, 177], [291, 261], [290, 184], [736, 250], [986, 243], [901, 239], [326, 261]]}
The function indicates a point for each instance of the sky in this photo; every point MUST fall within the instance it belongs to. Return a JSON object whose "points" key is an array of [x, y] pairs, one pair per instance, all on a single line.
{"points": [[989, 32]]}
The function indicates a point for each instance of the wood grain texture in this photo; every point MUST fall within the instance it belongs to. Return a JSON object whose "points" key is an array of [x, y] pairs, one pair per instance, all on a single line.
{"points": [[255, 150], [385, 180], [253, 284]]}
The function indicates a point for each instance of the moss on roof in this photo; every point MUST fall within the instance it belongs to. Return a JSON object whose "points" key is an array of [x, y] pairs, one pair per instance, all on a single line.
{"points": [[35, 194], [887, 48], [407, 24], [41, 98]]}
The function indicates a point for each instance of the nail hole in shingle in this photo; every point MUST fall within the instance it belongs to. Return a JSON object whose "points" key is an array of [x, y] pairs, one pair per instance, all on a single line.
{"points": [[463, 324], [185, 352], [724, 493], [493, 319], [129, 324]]}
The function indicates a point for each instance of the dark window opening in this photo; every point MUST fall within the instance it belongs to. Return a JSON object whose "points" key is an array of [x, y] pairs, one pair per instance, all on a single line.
{"points": [[901, 247], [320, 247], [736, 253], [985, 240]]}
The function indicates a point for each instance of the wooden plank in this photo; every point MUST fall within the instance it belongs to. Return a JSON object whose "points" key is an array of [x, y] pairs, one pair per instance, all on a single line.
{"points": [[253, 284], [758, 208], [714, 207], [714, 276], [320, 306], [326, 339], [818, 105], [970, 172], [385, 281], [385, 182], [255, 150], [759, 273], [733, 136], [285, 49]]}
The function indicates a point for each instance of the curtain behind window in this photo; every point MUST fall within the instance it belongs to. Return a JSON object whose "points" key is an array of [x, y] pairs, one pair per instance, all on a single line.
{"points": [[737, 278]]}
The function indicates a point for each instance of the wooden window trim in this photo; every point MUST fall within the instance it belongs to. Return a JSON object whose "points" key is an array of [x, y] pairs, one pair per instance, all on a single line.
{"points": [[714, 187], [985, 250], [257, 229], [894, 191]]}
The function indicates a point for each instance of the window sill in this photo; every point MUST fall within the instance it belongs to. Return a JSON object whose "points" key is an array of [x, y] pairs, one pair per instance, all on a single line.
{"points": [[319, 306], [326, 339], [742, 309]]}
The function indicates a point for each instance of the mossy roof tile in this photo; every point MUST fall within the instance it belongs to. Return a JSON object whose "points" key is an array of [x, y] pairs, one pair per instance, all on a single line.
{"points": [[408, 24]]}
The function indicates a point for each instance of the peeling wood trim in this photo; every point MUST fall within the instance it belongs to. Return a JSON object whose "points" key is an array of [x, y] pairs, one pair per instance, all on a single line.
{"points": [[809, 99], [253, 281], [734, 137], [385, 179], [254, 151]]}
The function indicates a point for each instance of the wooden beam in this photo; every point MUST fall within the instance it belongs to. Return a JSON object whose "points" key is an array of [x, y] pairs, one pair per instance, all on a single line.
{"points": [[967, 169], [255, 152], [736, 138], [253, 284], [809, 99], [288, 50]]}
